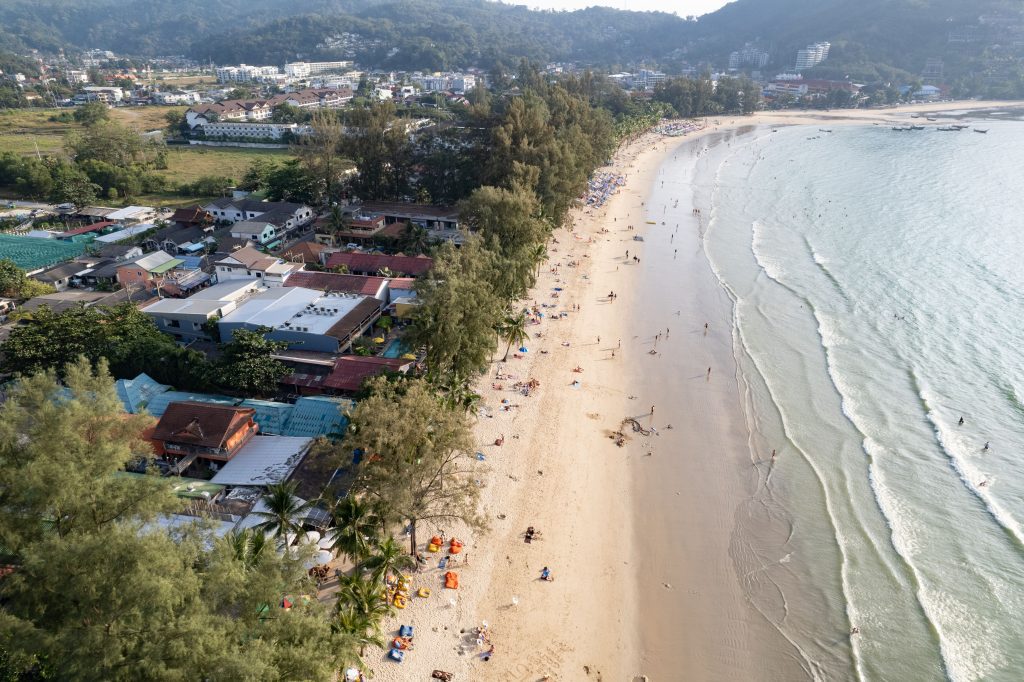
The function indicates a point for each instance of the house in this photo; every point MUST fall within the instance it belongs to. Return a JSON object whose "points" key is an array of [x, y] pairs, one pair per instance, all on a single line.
{"points": [[191, 215], [149, 271], [374, 264], [434, 218], [118, 252], [190, 430], [282, 215], [181, 239], [80, 298], [305, 318], [186, 318], [333, 282], [360, 229], [256, 231], [130, 215], [249, 264], [60, 276], [304, 252]]}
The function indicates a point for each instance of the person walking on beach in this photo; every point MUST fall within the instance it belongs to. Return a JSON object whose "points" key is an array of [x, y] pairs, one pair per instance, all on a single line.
{"points": [[705, 329], [961, 422], [620, 343], [986, 446], [709, 374], [652, 410]]}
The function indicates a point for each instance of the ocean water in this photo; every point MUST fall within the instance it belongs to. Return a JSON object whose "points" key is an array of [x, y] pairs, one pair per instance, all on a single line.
{"points": [[877, 280]]}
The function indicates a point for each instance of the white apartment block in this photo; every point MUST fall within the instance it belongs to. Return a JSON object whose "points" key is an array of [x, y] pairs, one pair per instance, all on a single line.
{"points": [[812, 55], [176, 97], [243, 73], [233, 130], [306, 69]]}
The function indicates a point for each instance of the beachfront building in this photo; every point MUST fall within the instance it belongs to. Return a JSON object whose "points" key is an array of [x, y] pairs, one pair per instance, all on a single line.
{"points": [[187, 318], [337, 283], [304, 318], [251, 265], [191, 430], [347, 376], [373, 264]]}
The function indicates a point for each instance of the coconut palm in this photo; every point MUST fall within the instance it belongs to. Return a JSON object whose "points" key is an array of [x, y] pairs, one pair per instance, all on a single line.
{"points": [[362, 630], [387, 559], [366, 597], [247, 547], [358, 528], [456, 392], [540, 254], [513, 330], [385, 272], [284, 511]]}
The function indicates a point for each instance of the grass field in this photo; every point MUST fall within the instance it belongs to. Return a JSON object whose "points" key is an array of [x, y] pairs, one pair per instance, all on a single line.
{"points": [[24, 131]]}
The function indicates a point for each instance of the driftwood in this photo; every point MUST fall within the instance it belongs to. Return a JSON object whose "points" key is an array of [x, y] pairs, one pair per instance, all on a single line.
{"points": [[637, 428]]}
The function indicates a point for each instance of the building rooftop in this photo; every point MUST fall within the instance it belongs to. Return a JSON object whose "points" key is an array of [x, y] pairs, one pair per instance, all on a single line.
{"points": [[367, 262], [294, 309], [333, 282], [129, 213], [157, 262], [135, 393], [352, 370], [205, 301], [122, 235], [200, 423], [263, 460]]}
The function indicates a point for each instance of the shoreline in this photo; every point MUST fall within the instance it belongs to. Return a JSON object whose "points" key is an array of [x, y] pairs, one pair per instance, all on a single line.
{"points": [[640, 547]]}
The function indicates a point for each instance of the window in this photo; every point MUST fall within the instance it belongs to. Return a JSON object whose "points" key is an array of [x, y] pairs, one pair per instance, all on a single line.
{"points": [[174, 324]]}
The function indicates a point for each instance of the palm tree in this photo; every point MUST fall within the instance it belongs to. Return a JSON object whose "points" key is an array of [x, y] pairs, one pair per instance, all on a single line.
{"points": [[336, 222], [362, 630], [540, 254], [358, 528], [385, 272], [247, 547], [513, 330], [388, 559], [284, 511], [456, 392], [366, 597]]}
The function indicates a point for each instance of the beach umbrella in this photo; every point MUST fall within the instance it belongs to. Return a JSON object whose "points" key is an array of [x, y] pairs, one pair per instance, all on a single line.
{"points": [[522, 349], [324, 557], [378, 339], [408, 356]]}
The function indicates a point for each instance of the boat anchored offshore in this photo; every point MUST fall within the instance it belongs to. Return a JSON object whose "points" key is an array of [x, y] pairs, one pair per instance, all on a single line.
{"points": [[981, 130]]}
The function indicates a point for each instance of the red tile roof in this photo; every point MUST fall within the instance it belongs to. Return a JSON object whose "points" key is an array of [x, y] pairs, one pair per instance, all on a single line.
{"points": [[366, 262], [204, 424], [365, 285], [351, 370]]}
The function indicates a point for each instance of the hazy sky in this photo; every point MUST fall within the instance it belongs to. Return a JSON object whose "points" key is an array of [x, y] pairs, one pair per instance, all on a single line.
{"points": [[680, 7]]}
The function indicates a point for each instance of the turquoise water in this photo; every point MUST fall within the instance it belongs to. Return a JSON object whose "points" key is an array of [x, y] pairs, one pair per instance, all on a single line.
{"points": [[878, 297], [395, 349]]}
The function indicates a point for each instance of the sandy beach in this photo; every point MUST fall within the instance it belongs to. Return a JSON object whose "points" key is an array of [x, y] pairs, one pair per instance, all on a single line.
{"points": [[639, 537]]}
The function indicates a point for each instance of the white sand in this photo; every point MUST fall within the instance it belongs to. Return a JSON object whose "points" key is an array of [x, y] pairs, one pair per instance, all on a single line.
{"points": [[638, 544]]}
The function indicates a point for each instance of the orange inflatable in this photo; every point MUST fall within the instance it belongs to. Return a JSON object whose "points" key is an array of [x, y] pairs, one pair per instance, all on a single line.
{"points": [[451, 580], [455, 547]]}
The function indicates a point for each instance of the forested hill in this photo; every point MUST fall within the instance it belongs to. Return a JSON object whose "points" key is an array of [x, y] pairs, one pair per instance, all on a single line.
{"points": [[427, 33], [868, 35], [870, 38]]}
